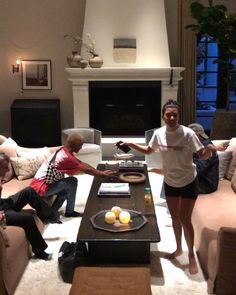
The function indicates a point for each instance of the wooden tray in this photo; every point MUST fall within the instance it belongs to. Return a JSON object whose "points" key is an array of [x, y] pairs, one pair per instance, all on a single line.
{"points": [[132, 177]]}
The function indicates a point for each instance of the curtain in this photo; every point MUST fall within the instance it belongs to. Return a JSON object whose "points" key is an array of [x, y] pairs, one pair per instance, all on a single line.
{"points": [[186, 49]]}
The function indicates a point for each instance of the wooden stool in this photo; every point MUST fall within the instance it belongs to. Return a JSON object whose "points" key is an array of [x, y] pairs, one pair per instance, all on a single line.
{"points": [[111, 280]]}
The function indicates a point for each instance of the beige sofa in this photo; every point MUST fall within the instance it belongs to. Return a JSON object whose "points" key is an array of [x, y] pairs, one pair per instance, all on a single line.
{"points": [[14, 247], [214, 221]]}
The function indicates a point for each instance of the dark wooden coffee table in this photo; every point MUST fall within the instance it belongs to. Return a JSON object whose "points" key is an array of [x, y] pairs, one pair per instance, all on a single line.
{"points": [[119, 247]]}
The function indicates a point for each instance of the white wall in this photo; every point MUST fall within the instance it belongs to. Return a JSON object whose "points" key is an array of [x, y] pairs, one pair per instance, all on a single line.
{"points": [[143, 20], [33, 30]]}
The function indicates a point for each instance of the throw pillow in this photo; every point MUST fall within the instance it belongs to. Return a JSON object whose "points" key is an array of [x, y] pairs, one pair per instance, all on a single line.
{"points": [[27, 164], [232, 165], [233, 181], [224, 160]]}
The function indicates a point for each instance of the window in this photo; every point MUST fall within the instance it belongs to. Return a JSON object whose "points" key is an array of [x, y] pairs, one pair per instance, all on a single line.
{"points": [[211, 89], [232, 87]]}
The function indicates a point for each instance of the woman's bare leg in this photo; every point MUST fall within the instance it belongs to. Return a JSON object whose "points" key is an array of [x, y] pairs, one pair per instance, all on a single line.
{"points": [[187, 206], [174, 205]]}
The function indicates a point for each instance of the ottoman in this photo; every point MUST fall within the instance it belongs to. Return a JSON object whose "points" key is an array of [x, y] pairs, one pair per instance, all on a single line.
{"points": [[111, 280]]}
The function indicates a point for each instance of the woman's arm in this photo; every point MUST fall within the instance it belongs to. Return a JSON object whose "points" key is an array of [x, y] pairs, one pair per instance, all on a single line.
{"points": [[207, 152], [138, 147]]}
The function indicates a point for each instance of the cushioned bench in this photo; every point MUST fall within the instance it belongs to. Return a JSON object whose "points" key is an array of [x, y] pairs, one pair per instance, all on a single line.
{"points": [[111, 280]]}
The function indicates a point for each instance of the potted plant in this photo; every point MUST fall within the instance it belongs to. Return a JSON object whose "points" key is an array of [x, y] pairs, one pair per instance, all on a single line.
{"points": [[214, 22]]}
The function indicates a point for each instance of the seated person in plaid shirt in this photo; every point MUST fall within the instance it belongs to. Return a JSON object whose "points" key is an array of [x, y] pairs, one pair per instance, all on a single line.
{"points": [[65, 188]]}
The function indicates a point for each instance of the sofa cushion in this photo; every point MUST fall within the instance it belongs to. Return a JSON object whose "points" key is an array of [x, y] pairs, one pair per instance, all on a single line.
{"points": [[232, 165], [4, 237], [224, 161], [13, 186], [26, 164], [233, 181]]}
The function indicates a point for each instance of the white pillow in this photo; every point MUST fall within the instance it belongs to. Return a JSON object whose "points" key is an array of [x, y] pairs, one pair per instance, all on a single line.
{"points": [[224, 160], [32, 152]]}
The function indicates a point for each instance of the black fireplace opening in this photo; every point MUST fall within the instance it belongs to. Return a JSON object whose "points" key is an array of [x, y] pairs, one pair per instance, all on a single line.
{"points": [[124, 108]]}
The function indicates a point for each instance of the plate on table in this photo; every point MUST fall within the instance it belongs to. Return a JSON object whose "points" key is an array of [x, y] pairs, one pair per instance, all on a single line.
{"points": [[132, 177], [136, 222]]}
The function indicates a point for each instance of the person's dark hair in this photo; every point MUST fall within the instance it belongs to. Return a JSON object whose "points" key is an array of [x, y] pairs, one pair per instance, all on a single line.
{"points": [[171, 103]]}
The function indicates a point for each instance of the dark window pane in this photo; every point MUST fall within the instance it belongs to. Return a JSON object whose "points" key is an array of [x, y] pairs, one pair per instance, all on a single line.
{"points": [[211, 66], [206, 79], [200, 65], [205, 118], [207, 94], [232, 95], [213, 49]]}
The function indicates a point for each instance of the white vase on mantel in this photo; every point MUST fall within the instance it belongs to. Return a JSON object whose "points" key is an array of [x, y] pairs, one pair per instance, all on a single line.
{"points": [[96, 61], [74, 59]]}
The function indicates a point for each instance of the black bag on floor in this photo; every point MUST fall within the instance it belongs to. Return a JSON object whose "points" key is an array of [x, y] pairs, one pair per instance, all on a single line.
{"points": [[70, 256]]}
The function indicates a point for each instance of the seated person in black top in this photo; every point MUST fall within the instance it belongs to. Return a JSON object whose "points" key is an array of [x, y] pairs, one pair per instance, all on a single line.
{"points": [[10, 211], [207, 170]]}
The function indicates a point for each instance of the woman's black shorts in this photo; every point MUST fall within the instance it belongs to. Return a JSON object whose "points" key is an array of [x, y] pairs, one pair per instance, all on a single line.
{"points": [[189, 191]]}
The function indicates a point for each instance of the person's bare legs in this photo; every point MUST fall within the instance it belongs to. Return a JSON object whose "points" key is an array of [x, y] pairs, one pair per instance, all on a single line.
{"points": [[174, 206], [187, 206]]}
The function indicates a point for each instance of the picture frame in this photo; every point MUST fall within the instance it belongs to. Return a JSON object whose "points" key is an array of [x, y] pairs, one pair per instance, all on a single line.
{"points": [[36, 74]]}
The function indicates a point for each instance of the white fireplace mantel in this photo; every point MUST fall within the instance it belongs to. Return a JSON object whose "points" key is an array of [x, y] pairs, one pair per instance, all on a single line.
{"points": [[80, 86]]}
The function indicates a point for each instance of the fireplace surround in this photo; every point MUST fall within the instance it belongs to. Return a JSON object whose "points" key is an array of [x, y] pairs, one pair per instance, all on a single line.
{"points": [[81, 78], [143, 23]]}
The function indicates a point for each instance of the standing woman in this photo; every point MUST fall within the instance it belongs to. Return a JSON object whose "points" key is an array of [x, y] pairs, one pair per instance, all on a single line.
{"points": [[177, 144]]}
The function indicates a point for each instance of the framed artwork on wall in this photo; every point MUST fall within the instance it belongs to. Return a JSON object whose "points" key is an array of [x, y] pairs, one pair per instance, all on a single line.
{"points": [[36, 74]]}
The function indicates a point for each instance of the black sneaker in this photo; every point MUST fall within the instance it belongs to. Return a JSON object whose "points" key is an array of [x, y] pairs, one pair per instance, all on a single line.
{"points": [[47, 221], [43, 255], [54, 217], [73, 214]]}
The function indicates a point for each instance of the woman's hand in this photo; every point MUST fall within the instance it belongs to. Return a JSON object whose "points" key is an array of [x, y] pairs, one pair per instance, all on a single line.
{"points": [[156, 170]]}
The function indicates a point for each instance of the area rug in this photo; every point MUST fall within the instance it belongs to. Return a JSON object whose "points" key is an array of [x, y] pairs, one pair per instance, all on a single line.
{"points": [[167, 277]]}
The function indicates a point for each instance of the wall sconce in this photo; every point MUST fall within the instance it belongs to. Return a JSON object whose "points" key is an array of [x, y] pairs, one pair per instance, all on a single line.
{"points": [[16, 69]]}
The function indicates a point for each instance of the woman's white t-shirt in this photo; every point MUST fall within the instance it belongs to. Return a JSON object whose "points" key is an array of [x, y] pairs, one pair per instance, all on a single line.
{"points": [[177, 148]]}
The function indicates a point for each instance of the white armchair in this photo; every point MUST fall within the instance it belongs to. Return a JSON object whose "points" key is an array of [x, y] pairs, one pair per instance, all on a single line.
{"points": [[91, 151]]}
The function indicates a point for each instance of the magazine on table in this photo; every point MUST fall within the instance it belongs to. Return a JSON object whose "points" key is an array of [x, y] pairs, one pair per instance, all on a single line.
{"points": [[110, 188]]}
